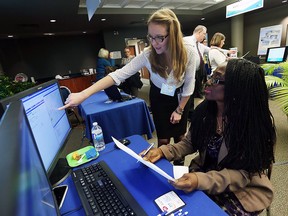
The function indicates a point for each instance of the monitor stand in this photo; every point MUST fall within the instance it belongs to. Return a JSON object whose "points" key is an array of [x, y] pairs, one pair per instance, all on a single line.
{"points": [[60, 172]]}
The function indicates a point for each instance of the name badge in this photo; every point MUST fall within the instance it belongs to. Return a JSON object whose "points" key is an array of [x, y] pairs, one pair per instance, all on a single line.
{"points": [[168, 89]]}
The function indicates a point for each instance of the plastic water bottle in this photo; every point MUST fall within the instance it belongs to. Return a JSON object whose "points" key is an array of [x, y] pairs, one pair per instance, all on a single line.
{"points": [[97, 137]]}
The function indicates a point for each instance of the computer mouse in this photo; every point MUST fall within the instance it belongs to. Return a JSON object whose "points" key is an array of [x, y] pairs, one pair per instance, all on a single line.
{"points": [[124, 141]]}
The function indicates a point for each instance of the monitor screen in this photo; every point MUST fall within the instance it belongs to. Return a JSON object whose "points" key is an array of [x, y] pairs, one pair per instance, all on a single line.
{"points": [[50, 126], [24, 186], [276, 54]]}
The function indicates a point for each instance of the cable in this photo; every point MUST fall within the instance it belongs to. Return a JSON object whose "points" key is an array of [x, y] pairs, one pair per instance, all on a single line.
{"points": [[280, 163]]}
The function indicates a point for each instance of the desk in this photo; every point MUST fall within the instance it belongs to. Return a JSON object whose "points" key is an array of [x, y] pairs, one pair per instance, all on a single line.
{"points": [[117, 119], [77, 84], [145, 184]]}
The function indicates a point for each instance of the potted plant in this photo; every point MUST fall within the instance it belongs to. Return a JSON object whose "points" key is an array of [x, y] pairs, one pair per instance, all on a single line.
{"points": [[277, 82], [9, 87]]}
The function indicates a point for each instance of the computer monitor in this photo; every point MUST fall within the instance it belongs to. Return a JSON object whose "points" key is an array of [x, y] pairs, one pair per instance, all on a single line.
{"points": [[25, 188], [50, 126], [276, 54]]}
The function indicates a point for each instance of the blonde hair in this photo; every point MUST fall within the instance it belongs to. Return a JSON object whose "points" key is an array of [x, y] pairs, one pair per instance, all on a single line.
{"points": [[216, 39], [176, 49], [103, 53]]}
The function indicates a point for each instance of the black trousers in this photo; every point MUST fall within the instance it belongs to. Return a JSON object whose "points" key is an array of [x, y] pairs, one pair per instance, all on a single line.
{"points": [[200, 79]]}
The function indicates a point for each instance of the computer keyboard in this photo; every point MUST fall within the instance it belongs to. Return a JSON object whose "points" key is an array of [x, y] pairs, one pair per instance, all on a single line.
{"points": [[102, 193]]}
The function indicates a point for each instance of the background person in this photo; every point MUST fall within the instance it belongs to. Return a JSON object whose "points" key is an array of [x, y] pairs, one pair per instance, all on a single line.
{"points": [[204, 42], [205, 59], [216, 56], [133, 83], [196, 39], [103, 63], [172, 80], [128, 57], [234, 132]]}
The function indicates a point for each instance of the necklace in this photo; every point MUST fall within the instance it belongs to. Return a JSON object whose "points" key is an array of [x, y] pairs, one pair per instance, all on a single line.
{"points": [[166, 68], [219, 129]]}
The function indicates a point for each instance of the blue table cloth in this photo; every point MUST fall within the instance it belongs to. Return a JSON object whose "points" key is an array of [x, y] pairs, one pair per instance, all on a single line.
{"points": [[142, 182], [117, 119]]}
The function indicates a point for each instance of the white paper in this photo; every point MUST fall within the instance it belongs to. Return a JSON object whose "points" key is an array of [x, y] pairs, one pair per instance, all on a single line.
{"points": [[179, 171], [137, 157]]}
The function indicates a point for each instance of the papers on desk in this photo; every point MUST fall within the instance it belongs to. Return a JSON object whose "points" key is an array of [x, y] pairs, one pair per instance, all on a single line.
{"points": [[139, 158]]}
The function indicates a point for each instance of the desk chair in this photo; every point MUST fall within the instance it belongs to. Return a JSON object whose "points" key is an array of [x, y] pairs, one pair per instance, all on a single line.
{"points": [[65, 91]]}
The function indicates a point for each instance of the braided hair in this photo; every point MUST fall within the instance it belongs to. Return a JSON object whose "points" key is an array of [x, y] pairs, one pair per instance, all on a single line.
{"points": [[249, 129]]}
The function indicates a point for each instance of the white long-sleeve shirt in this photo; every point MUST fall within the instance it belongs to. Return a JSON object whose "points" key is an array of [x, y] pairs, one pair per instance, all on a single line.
{"points": [[202, 48], [216, 56], [142, 60]]}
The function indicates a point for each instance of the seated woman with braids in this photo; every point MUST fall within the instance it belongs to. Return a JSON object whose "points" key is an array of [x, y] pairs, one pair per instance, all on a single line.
{"points": [[233, 130]]}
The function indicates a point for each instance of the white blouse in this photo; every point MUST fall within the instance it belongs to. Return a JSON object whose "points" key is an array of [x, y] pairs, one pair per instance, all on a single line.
{"points": [[216, 56], [142, 60]]}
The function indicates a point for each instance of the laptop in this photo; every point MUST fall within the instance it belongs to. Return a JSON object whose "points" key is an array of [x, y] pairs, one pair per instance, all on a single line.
{"points": [[113, 94]]}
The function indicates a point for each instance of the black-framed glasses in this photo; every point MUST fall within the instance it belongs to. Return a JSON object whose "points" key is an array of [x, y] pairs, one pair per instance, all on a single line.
{"points": [[215, 81], [158, 39]]}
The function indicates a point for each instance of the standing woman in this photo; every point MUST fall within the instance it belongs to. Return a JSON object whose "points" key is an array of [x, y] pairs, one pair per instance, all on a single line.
{"points": [[216, 55], [171, 65], [133, 83], [171, 62], [103, 62], [128, 57]]}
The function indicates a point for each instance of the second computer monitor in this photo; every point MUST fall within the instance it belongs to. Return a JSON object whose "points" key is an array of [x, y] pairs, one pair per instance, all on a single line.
{"points": [[24, 186], [276, 54], [50, 126]]}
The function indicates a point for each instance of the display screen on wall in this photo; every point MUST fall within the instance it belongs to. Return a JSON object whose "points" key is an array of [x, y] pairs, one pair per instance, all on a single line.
{"points": [[243, 6]]}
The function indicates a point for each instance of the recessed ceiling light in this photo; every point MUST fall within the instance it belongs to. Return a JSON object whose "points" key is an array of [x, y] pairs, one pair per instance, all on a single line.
{"points": [[203, 18], [10, 36], [49, 34], [52, 20], [103, 19], [84, 32]]}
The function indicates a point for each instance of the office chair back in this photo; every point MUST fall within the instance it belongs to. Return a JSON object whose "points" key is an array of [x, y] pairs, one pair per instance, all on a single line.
{"points": [[65, 91]]}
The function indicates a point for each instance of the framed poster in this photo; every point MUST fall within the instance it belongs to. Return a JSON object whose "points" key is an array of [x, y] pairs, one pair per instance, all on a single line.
{"points": [[269, 37]]}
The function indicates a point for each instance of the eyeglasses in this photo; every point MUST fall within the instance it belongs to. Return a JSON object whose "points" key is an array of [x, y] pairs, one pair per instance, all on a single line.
{"points": [[158, 39], [215, 81]]}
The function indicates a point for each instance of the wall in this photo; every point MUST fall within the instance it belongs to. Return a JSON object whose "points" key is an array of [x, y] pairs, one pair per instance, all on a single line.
{"points": [[46, 57], [43, 58], [254, 21], [223, 27], [115, 40]]}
